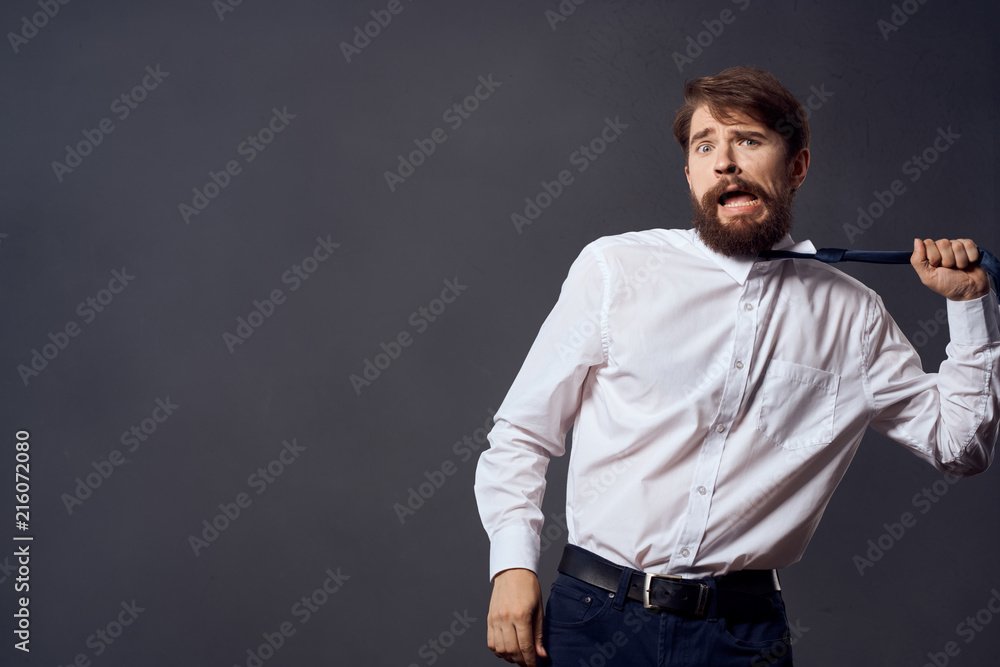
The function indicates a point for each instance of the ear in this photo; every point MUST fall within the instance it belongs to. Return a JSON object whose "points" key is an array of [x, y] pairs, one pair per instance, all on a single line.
{"points": [[687, 174], [797, 168]]}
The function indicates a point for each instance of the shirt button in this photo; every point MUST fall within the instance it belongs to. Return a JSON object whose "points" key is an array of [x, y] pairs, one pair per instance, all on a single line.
{"points": [[748, 306], [720, 428], [685, 552], [702, 490], [739, 365]]}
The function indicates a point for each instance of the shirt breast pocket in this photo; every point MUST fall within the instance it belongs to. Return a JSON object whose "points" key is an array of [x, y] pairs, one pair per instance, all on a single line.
{"points": [[798, 405]]}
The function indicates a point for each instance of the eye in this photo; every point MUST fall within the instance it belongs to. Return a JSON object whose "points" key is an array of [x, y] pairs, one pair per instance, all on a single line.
{"points": [[704, 148], [751, 142]]}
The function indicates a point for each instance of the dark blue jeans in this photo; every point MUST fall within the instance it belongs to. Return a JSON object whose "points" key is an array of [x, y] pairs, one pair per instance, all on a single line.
{"points": [[586, 626]]}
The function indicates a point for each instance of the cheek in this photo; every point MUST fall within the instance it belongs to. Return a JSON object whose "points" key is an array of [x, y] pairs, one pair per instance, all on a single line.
{"points": [[699, 184], [771, 173]]}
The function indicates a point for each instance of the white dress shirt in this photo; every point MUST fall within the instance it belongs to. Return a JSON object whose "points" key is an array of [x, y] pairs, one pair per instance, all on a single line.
{"points": [[716, 404]]}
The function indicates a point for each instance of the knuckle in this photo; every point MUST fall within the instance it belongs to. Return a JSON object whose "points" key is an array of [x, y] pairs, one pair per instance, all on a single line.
{"points": [[521, 614]]}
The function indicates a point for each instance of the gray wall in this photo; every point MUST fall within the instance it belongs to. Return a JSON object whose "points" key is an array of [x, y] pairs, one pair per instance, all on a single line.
{"points": [[352, 455]]}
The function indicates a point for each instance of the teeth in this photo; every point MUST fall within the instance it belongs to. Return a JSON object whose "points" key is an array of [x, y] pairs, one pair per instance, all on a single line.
{"points": [[737, 205]]}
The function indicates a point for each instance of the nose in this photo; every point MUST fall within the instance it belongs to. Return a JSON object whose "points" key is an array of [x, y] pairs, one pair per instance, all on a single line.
{"points": [[724, 162]]}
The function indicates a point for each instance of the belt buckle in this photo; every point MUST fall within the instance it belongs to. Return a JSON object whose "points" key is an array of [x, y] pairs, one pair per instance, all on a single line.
{"points": [[701, 608]]}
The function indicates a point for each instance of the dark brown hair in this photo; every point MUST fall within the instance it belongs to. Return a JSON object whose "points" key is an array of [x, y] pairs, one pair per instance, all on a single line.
{"points": [[750, 91]]}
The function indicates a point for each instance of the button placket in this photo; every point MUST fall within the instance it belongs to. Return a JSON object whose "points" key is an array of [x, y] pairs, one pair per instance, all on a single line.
{"points": [[710, 459]]}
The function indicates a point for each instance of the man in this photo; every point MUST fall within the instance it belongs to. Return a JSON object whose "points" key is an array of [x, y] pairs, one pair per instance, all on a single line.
{"points": [[716, 400]]}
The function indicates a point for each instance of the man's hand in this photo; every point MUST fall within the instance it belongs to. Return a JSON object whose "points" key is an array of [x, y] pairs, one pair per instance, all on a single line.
{"points": [[514, 630], [949, 268]]}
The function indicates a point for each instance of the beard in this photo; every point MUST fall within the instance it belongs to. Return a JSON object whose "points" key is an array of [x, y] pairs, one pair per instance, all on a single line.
{"points": [[742, 235]]}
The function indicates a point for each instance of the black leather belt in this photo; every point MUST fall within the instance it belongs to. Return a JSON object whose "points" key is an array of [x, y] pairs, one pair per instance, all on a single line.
{"points": [[741, 595]]}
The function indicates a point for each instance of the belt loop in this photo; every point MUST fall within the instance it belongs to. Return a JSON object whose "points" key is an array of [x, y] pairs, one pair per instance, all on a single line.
{"points": [[621, 595], [713, 598]]}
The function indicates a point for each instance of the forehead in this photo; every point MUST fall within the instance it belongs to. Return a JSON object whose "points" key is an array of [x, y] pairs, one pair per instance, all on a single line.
{"points": [[704, 123]]}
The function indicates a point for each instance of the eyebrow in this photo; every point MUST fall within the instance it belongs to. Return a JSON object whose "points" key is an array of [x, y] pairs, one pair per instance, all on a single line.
{"points": [[701, 135], [739, 134]]}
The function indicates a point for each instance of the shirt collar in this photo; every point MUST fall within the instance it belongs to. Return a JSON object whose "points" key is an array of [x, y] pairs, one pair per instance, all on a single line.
{"points": [[739, 268]]}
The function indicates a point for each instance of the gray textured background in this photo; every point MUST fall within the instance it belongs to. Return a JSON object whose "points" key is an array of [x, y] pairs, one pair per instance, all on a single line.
{"points": [[323, 176]]}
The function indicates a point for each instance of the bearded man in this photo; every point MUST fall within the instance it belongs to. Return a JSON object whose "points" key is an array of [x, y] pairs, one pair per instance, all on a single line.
{"points": [[716, 400]]}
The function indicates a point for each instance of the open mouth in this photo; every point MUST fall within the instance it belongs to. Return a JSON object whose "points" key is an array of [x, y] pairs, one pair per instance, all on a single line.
{"points": [[738, 199]]}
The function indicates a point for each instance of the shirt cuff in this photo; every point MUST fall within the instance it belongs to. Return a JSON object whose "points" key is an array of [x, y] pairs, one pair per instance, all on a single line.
{"points": [[974, 322], [514, 546]]}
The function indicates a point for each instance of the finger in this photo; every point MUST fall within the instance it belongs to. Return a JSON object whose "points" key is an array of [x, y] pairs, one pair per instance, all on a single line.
{"points": [[526, 645], [498, 644], [971, 250], [512, 650], [961, 256], [933, 253], [539, 618], [947, 255], [919, 256]]}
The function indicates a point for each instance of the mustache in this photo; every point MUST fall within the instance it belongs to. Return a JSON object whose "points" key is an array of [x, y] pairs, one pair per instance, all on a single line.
{"points": [[737, 182]]}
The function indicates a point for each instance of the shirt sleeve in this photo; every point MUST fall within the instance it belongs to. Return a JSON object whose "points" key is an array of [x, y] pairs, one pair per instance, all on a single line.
{"points": [[948, 418], [539, 409]]}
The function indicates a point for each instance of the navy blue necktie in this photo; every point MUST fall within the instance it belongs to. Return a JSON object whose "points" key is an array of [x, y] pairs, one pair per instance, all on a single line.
{"points": [[987, 260]]}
